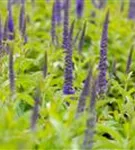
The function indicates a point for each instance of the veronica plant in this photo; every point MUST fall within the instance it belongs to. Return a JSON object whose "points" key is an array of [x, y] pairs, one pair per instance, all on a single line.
{"points": [[102, 82], [68, 77]]}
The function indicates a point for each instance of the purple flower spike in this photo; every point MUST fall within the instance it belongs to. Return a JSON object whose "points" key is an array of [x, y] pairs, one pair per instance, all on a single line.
{"points": [[66, 23], [58, 11], [68, 78], [102, 82], [10, 25], [131, 14], [79, 8]]}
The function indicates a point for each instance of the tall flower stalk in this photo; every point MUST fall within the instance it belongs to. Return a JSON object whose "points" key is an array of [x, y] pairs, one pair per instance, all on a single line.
{"points": [[9, 47], [68, 74], [79, 8], [102, 81]]}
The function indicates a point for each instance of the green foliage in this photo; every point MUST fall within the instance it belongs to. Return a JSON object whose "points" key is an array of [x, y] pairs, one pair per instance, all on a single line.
{"points": [[56, 126]]}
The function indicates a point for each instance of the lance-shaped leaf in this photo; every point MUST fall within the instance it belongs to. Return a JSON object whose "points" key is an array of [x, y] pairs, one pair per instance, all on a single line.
{"points": [[45, 65], [84, 94], [91, 122], [102, 81], [71, 31], [35, 110], [99, 4], [79, 8], [131, 13], [81, 42], [11, 70], [113, 70], [129, 60], [66, 23]]}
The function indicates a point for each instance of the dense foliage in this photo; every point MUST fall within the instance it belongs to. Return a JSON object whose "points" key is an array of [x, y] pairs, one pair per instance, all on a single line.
{"points": [[35, 114]]}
